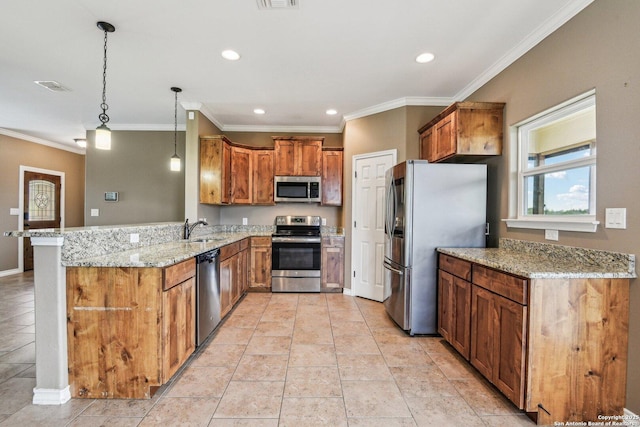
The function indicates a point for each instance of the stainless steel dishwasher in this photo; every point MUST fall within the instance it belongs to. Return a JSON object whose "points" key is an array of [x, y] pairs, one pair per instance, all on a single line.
{"points": [[207, 294]]}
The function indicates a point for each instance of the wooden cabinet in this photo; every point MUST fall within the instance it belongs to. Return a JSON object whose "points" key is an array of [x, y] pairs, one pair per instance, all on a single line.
{"points": [[454, 302], [233, 274], [241, 176], [262, 186], [332, 264], [215, 170], [298, 156], [178, 326], [332, 167], [260, 264], [129, 329], [461, 130], [555, 347], [498, 340]]}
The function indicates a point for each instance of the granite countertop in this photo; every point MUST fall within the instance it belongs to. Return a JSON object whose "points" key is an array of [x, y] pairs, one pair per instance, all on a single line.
{"points": [[169, 253], [545, 261], [163, 254]]}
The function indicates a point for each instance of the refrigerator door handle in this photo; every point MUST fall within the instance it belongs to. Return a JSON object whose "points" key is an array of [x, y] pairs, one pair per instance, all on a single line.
{"points": [[395, 270]]}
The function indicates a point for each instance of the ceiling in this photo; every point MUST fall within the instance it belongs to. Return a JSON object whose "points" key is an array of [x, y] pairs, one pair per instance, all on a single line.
{"points": [[355, 56]]}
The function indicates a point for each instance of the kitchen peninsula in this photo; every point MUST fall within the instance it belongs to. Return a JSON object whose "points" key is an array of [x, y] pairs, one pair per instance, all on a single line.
{"points": [[115, 289]]}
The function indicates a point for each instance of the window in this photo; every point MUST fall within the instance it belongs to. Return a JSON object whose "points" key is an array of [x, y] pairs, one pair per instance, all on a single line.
{"points": [[557, 168]]}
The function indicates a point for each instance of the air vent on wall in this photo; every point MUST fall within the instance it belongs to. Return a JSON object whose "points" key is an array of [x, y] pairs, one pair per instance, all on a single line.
{"points": [[277, 4], [51, 85]]}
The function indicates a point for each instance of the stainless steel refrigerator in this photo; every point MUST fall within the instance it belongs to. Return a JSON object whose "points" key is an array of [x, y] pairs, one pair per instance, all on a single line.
{"points": [[429, 205]]}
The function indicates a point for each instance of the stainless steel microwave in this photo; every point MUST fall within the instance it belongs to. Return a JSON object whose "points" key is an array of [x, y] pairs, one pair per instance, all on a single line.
{"points": [[304, 189]]}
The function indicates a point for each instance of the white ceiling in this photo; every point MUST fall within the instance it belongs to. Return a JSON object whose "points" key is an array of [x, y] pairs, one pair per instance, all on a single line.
{"points": [[356, 56]]}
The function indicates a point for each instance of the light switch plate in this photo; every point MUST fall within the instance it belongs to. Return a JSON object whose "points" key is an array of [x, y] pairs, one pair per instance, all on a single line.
{"points": [[134, 238], [615, 218], [95, 212], [14, 211]]}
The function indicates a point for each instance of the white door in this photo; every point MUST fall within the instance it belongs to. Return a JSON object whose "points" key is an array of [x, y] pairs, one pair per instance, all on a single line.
{"points": [[368, 210]]}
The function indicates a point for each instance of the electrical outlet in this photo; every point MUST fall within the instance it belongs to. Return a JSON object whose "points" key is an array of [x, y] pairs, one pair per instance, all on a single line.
{"points": [[95, 212], [134, 238], [324, 221], [551, 234], [245, 221]]}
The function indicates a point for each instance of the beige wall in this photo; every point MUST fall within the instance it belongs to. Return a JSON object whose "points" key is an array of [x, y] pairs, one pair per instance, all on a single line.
{"points": [[16, 152], [596, 49], [394, 129], [137, 166]]}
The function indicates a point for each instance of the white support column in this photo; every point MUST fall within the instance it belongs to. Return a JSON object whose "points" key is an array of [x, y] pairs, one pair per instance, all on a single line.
{"points": [[52, 376]]}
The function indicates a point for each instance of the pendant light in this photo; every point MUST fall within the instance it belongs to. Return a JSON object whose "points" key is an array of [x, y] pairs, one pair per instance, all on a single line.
{"points": [[103, 133], [175, 160]]}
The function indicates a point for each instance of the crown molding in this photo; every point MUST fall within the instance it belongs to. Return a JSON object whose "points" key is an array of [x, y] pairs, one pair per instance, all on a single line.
{"points": [[34, 139], [529, 42], [284, 129], [398, 103]]}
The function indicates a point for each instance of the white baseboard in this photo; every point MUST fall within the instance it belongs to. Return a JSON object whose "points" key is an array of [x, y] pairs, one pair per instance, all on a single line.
{"points": [[51, 396], [347, 291], [9, 272]]}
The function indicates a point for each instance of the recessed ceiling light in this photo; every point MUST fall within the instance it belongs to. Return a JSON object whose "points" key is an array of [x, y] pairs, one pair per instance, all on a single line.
{"points": [[259, 111], [331, 112], [231, 55], [425, 57]]}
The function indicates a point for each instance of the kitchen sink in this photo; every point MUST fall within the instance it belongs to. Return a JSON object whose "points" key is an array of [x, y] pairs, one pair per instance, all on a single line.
{"points": [[207, 240]]}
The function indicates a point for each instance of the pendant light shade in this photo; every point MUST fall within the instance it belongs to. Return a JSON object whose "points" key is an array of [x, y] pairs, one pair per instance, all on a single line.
{"points": [[175, 160], [103, 133]]}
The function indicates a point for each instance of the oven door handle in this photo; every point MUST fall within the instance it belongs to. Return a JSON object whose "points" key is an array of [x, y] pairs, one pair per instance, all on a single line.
{"points": [[295, 239]]}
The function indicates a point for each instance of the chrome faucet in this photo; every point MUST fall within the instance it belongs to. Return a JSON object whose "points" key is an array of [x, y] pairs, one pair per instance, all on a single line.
{"points": [[189, 228]]}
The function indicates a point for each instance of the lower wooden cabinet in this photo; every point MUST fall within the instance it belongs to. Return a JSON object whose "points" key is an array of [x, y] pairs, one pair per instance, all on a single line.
{"points": [[498, 342], [260, 264], [454, 303], [557, 348], [178, 326], [332, 264], [233, 274], [128, 329]]}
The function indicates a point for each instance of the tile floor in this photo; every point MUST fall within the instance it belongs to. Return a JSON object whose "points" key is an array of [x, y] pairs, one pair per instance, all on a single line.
{"points": [[277, 360]]}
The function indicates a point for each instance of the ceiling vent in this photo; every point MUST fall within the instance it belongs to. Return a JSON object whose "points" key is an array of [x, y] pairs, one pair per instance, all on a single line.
{"points": [[277, 4], [53, 86]]}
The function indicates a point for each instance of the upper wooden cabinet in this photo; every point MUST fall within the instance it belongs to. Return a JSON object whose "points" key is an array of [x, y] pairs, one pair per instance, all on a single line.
{"points": [[298, 156], [241, 175], [332, 177], [232, 173], [263, 177], [215, 170], [463, 129]]}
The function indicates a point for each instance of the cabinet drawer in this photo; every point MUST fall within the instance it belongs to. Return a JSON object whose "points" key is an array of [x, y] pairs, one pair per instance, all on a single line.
{"points": [[333, 241], [244, 244], [178, 273], [260, 241], [229, 250], [455, 266], [511, 287]]}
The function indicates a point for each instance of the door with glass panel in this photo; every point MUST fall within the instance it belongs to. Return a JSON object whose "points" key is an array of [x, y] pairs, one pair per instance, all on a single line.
{"points": [[41, 207]]}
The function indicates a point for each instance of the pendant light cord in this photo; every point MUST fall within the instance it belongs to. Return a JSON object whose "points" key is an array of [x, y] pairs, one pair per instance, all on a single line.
{"points": [[103, 117], [175, 128]]}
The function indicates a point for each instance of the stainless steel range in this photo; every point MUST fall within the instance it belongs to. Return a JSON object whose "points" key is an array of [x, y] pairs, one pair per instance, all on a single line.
{"points": [[295, 254]]}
